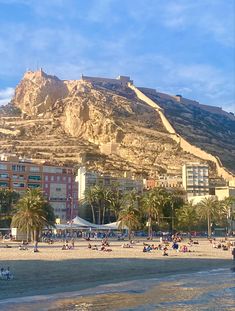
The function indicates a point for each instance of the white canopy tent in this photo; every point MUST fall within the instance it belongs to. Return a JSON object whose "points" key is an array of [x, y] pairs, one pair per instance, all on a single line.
{"points": [[83, 223], [80, 223], [115, 226]]}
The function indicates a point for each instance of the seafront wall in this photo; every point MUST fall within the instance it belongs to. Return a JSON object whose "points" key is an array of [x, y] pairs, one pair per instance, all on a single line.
{"points": [[186, 146]]}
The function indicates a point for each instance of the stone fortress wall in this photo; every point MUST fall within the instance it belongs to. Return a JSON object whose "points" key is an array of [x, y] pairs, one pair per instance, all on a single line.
{"points": [[120, 80], [186, 146]]}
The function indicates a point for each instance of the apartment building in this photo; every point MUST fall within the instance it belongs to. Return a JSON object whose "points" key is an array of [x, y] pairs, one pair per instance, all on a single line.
{"points": [[57, 183], [86, 179], [164, 181], [195, 179]]}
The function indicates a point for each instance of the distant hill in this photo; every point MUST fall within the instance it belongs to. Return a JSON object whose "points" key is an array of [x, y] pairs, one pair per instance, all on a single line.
{"points": [[70, 121]]}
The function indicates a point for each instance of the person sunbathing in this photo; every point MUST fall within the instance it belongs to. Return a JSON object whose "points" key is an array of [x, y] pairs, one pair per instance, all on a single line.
{"points": [[107, 250], [165, 252], [184, 249], [127, 245], [7, 246], [224, 247], [23, 247]]}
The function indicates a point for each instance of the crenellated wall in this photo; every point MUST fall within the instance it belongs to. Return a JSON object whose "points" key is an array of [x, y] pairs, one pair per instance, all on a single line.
{"points": [[186, 146]]}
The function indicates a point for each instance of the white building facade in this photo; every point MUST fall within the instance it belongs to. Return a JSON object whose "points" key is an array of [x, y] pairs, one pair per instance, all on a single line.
{"points": [[195, 179]]}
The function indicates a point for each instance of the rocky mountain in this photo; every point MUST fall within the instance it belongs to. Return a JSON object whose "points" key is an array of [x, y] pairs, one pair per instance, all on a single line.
{"points": [[104, 123]]}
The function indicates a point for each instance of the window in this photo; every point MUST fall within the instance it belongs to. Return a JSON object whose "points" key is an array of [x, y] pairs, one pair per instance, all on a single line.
{"points": [[3, 184], [18, 168], [32, 177], [34, 169], [32, 186], [4, 175], [58, 189], [18, 185], [3, 166], [64, 178], [69, 179], [46, 178], [58, 178], [51, 169], [46, 185], [52, 178]]}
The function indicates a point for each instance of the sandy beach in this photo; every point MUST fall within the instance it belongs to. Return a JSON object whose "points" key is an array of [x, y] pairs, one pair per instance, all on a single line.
{"points": [[53, 270]]}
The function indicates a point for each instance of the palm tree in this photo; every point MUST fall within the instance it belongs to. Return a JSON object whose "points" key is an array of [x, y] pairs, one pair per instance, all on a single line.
{"points": [[187, 216], [175, 201], [208, 209], [90, 199], [150, 209], [33, 213], [99, 193], [226, 211], [130, 213], [159, 198], [116, 199]]}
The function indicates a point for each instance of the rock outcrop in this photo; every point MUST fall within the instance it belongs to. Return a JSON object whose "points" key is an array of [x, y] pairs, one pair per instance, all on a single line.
{"points": [[68, 121]]}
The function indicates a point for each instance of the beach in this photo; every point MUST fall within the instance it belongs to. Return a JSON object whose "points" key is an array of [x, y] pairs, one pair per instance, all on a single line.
{"points": [[53, 270]]}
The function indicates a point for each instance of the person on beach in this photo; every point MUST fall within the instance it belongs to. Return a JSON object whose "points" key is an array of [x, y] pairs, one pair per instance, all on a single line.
{"points": [[175, 246], [72, 242], [233, 253], [35, 249], [6, 274], [2, 273], [184, 249], [165, 251]]}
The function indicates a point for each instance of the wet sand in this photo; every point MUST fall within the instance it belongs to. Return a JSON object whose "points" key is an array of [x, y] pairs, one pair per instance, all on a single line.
{"points": [[55, 271]]}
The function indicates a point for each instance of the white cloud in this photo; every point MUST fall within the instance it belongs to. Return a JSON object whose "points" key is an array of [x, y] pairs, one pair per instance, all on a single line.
{"points": [[6, 95]]}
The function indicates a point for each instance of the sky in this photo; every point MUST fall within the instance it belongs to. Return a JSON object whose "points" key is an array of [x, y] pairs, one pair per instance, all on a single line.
{"points": [[182, 47]]}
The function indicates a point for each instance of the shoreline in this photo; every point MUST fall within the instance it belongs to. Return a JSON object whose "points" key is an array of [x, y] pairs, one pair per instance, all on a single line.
{"points": [[56, 272], [100, 289], [63, 298]]}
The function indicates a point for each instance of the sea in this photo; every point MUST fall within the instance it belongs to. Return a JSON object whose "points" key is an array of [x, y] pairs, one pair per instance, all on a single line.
{"points": [[206, 290]]}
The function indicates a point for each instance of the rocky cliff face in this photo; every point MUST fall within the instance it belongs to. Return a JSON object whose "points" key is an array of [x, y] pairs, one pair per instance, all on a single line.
{"points": [[68, 121], [38, 92]]}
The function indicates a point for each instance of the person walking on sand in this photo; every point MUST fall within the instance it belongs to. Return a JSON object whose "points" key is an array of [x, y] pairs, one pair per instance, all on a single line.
{"points": [[72, 242]]}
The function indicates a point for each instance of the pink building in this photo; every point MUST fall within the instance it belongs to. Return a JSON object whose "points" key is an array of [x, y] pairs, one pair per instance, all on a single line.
{"points": [[60, 188], [57, 182]]}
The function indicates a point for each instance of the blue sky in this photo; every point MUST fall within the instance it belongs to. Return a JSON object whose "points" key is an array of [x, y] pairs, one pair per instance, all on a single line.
{"points": [[176, 46]]}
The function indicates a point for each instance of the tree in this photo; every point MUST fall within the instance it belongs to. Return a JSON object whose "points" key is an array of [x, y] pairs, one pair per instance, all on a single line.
{"points": [[97, 196], [130, 213], [208, 209], [116, 200], [7, 200], [187, 217], [171, 202], [99, 193], [90, 199], [33, 213], [227, 211], [150, 209]]}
